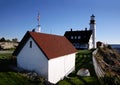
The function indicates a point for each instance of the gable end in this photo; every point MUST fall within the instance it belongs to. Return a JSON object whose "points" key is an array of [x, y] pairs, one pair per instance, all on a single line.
{"points": [[23, 42]]}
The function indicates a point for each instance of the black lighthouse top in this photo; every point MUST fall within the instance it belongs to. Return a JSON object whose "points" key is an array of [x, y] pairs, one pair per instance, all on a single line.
{"points": [[92, 20]]}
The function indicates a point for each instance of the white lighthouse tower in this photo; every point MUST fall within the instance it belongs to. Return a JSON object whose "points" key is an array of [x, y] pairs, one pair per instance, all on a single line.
{"points": [[93, 28]]}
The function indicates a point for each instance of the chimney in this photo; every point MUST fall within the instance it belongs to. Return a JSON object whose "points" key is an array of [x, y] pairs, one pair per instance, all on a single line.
{"points": [[71, 29], [33, 30], [85, 29]]}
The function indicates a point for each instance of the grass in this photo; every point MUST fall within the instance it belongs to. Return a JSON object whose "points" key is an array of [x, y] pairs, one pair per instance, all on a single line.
{"points": [[8, 76], [12, 78], [5, 55], [83, 60], [84, 52], [79, 81]]}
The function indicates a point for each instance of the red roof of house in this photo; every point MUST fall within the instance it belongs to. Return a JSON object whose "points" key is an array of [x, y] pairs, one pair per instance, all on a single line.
{"points": [[52, 46]]}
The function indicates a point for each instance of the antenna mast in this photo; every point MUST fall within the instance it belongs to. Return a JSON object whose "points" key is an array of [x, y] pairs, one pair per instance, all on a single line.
{"points": [[38, 19]]}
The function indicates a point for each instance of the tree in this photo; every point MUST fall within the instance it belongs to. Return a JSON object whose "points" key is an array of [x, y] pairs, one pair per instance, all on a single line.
{"points": [[2, 39]]}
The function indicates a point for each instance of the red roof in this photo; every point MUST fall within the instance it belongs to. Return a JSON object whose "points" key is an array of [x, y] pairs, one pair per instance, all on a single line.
{"points": [[52, 46]]}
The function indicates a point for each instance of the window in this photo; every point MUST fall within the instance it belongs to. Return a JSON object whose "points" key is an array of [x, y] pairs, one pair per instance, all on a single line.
{"points": [[71, 37], [75, 37], [79, 37], [77, 45], [30, 44]]}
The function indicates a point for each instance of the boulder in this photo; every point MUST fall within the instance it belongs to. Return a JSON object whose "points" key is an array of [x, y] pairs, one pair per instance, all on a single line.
{"points": [[83, 72]]}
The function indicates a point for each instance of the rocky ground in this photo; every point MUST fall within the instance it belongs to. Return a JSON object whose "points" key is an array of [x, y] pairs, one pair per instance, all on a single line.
{"points": [[107, 64]]}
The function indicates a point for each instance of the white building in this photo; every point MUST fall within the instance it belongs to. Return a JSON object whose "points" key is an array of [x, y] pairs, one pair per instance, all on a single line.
{"points": [[51, 56]]}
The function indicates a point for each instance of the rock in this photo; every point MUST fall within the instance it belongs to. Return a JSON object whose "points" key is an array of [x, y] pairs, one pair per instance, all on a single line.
{"points": [[83, 72]]}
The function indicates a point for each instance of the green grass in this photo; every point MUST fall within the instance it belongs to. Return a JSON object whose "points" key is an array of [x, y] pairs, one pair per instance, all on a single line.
{"points": [[12, 78], [5, 55], [79, 81], [8, 76], [84, 51], [83, 60]]}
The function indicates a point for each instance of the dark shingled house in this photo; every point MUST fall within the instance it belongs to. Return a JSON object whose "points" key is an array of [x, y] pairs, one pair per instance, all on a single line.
{"points": [[80, 39]]}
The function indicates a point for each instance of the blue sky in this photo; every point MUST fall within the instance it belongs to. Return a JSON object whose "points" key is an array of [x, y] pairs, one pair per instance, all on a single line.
{"points": [[58, 16]]}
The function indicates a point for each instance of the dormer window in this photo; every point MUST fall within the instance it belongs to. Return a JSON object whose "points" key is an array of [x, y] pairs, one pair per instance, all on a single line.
{"points": [[75, 37], [71, 37], [30, 44], [79, 37]]}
